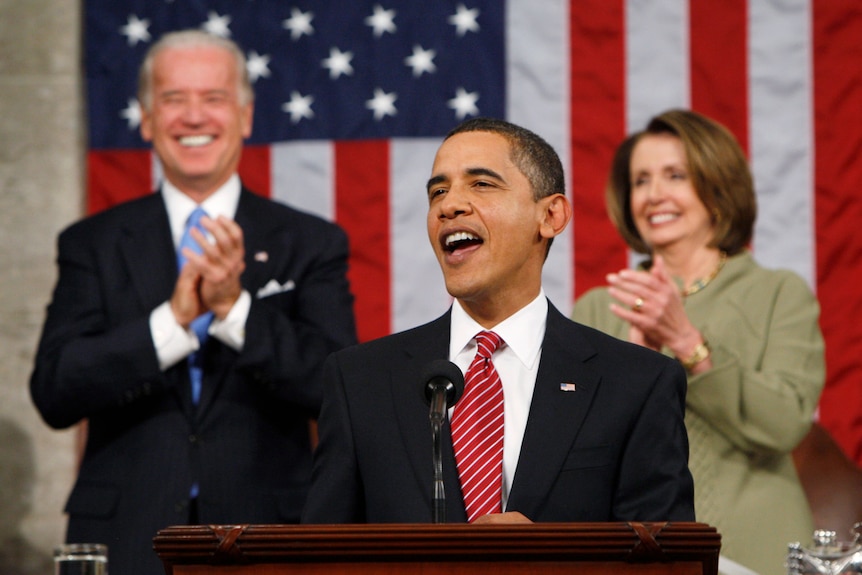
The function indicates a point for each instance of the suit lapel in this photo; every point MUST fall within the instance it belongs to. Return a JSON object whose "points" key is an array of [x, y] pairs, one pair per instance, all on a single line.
{"points": [[426, 344], [553, 423], [555, 415], [148, 252], [148, 255], [256, 224]]}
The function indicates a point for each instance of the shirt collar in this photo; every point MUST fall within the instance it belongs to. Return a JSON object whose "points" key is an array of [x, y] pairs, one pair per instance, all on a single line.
{"points": [[223, 202], [523, 331]]}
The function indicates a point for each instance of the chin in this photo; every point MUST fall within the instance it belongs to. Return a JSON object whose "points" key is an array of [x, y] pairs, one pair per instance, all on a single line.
{"points": [[465, 291], [458, 290]]}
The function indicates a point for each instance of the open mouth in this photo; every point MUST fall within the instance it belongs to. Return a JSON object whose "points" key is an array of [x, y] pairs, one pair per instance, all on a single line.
{"points": [[460, 240]]}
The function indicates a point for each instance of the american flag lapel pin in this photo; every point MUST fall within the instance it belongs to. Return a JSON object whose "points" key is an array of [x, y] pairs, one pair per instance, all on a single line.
{"points": [[261, 257], [567, 387]]}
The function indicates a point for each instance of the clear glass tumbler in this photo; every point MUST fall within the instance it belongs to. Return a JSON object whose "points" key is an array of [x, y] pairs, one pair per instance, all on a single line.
{"points": [[81, 559]]}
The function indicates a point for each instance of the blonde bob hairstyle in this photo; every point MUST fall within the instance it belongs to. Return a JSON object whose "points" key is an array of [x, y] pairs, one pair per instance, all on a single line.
{"points": [[718, 170]]}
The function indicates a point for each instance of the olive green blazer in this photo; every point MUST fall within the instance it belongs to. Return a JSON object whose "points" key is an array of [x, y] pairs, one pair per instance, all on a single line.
{"points": [[746, 414]]}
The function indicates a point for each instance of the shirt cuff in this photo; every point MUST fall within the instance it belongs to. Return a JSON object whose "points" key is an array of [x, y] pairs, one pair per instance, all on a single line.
{"points": [[172, 342], [231, 330]]}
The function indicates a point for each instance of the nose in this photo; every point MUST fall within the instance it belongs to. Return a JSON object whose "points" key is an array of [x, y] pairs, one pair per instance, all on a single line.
{"points": [[654, 191], [193, 112], [454, 203]]}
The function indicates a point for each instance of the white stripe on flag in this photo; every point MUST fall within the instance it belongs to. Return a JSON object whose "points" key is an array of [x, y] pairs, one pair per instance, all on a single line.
{"points": [[302, 176], [782, 134], [418, 292], [537, 91], [657, 59]]}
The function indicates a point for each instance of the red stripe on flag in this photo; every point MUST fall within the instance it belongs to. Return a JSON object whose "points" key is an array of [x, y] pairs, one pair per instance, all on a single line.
{"points": [[598, 126], [837, 41], [116, 176], [719, 63], [254, 169], [362, 209]]}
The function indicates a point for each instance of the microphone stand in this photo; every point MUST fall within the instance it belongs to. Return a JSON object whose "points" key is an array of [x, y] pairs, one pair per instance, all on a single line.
{"points": [[442, 387], [437, 417]]}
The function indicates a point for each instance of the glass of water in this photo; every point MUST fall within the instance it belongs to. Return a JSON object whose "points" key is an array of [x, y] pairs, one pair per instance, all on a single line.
{"points": [[81, 559]]}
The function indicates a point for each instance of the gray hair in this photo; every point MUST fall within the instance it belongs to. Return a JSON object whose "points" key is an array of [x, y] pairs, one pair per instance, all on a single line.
{"points": [[192, 38]]}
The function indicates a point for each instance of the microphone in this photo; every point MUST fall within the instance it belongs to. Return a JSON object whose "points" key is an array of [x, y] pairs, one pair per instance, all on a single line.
{"points": [[442, 387]]}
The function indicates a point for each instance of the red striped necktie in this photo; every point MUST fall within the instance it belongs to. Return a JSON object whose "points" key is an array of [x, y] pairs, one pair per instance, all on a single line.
{"points": [[477, 432]]}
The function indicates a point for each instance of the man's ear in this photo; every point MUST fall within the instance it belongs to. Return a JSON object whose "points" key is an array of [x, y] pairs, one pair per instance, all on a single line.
{"points": [[146, 127], [247, 119], [557, 212]]}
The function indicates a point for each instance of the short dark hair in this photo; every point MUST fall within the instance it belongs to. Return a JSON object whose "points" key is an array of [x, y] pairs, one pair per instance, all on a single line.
{"points": [[533, 156], [719, 173]]}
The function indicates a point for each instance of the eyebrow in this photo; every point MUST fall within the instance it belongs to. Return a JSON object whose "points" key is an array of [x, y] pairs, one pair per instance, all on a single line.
{"points": [[183, 91], [485, 172], [470, 172], [434, 181]]}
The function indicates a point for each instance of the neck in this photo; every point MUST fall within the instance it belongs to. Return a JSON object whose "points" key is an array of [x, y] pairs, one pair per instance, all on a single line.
{"points": [[691, 267], [489, 314], [199, 189]]}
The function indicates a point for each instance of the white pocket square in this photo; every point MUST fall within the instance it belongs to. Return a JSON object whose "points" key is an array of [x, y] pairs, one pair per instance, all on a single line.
{"points": [[272, 287]]}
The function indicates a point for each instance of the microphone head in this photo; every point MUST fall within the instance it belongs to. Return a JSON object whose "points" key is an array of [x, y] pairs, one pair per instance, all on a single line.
{"points": [[443, 372]]}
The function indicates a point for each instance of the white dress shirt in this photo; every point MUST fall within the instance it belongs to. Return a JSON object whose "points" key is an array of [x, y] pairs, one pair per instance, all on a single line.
{"points": [[172, 342], [516, 362]]}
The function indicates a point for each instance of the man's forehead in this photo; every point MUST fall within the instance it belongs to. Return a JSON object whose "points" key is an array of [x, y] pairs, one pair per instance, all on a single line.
{"points": [[469, 156], [476, 136], [206, 79], [190, 58]]}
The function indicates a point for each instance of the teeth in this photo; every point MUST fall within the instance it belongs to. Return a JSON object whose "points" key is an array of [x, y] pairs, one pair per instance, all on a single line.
{"points": [[662, 218], [196, 141], [459, 237]]}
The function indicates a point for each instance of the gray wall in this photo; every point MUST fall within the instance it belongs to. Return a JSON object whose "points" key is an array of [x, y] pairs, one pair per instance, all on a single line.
{"points": [[42, 171]]}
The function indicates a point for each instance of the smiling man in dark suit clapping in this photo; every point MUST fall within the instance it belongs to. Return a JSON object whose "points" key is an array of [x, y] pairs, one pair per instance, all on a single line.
{"points": [[198, 377]]}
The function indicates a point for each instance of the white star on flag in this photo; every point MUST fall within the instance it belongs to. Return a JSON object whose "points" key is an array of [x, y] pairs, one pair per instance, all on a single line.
{"points": [[299, 107], [382, 103], [132, 114], [338, 63], [257, 66], [464, 20], [217, 25], [382, 21], [299, 23], [464, 103], [421, 61], [136, 30]]}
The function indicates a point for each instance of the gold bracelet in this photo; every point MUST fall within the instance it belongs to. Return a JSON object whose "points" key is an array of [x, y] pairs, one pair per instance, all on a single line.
{"points": [[700, 353]]}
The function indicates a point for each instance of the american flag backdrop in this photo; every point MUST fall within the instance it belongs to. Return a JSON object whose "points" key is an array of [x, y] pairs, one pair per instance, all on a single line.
{"points": [[353, 97]]}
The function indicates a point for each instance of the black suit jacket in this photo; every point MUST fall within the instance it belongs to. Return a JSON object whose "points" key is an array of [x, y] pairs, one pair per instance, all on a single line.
{"points": [[614, 449], [247, 442]]}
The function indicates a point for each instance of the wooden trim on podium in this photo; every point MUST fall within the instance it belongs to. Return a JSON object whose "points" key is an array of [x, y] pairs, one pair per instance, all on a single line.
{"points": [[451, 549]]}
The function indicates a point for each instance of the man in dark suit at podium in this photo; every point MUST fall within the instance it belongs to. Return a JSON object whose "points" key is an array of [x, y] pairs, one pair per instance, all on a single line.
{"points": [[575, 425], [189, 425]]}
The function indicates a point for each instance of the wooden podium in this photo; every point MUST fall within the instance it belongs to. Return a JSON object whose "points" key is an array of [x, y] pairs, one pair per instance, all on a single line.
{"points": [[451, 549]]}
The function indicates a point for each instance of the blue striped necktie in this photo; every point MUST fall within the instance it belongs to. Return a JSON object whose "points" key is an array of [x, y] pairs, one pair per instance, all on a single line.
{"points": [[200, 324]]}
